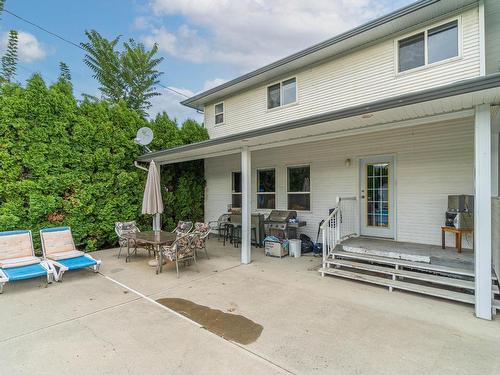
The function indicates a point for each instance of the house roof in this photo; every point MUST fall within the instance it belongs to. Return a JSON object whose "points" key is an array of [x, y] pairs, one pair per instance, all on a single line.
{"points": [[410, 16], [454, 97]]}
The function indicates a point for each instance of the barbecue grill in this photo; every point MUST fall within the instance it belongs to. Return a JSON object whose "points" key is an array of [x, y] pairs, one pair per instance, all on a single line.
{"points": [[278, 224]]}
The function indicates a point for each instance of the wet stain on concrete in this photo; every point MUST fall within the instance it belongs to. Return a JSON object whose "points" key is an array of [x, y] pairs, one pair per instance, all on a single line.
{"points": [[232, 327]]}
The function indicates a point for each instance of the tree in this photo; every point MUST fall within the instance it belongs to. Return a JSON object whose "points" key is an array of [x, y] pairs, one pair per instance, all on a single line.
{"points": [[128, 75], [9, 59], [2, 4], [65, 73]]}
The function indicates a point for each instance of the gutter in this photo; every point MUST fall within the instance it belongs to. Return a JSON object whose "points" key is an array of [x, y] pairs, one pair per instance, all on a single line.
{"points": [[462, 87]]}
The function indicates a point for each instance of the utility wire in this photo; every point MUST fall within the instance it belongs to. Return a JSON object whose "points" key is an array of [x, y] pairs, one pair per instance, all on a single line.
{"points": [[76, 45]]}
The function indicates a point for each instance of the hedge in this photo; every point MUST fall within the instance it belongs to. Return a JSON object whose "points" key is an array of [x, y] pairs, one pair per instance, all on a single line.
{"points": [[64, 163]]}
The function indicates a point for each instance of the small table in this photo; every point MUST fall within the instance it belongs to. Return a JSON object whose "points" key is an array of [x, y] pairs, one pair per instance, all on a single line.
{"points": [[458, 236], [154, 238]]}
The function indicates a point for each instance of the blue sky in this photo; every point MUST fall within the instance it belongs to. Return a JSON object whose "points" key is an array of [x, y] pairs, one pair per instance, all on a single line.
{"points": [[204, 42]]}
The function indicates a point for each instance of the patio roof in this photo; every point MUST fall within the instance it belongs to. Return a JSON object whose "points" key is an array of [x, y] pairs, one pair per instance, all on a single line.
{"points": [[444, 102], [413, 15]]}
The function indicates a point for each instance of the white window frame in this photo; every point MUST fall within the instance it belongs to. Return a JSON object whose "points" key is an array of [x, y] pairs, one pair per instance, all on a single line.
{"points": [[233, 192], [299, 192], [280, 82], [425, 31], [223, 113], [268, 192]]}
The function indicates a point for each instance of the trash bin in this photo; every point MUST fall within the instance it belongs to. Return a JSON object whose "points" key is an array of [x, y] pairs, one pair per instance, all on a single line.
{"points": [[295, 247]]}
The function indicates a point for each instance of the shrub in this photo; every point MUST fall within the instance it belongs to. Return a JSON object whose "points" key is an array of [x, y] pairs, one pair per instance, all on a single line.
{"points": [[64, 163]]}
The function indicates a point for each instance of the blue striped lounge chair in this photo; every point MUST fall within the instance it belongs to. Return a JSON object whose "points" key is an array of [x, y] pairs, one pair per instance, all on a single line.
{"points": [[18, 260], [59, 248]]}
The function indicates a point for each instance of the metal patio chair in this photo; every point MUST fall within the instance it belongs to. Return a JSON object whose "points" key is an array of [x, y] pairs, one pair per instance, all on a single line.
{"points": [[199, 237], [180, 251], [220, 225], [183, 227], [123, 228]]}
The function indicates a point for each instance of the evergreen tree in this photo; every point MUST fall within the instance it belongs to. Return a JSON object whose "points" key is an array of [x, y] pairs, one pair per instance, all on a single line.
{"points": [[2, 4], [65, 73], [9, 59]]}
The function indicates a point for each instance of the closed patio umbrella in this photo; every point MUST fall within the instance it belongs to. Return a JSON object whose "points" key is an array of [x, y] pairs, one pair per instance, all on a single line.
{"points": [[152, 203]]}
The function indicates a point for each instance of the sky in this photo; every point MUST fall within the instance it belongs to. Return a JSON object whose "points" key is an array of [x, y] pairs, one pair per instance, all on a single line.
{"points": [[204, 42]]}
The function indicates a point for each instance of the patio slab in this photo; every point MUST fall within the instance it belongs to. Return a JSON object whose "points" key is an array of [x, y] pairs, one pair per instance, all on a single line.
{"points": [[311, 325]]}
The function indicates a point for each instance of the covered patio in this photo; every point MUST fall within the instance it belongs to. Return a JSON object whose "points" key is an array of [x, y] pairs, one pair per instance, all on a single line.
{"points": [[334, 328], [322, 138]]}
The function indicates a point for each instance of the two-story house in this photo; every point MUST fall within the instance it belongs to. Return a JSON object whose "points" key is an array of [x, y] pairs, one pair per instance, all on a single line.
{"points": [[394, 115]]}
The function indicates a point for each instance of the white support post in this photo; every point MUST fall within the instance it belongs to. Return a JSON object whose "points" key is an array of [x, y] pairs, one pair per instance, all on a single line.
{"points": [[246, 217], [482, 211]]}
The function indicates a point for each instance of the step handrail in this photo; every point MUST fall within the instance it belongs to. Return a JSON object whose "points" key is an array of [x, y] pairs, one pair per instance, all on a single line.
{"points": [[334, 229]]}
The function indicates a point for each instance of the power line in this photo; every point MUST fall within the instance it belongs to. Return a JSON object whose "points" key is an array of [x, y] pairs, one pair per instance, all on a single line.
{"points": [[76, 45]]}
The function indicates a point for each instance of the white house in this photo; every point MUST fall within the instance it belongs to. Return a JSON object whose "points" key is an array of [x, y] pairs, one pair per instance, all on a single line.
{"points": [[395, 114]]}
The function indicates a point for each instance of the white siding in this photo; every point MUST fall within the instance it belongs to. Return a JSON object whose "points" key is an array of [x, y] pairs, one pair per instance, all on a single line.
{"points": [[360, 77], [495, 233], [432, 161], [492, 29]]}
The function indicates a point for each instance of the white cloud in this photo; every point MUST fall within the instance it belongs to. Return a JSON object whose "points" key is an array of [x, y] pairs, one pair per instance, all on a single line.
{"points": [[211, 83], [169, 102], [29, 47], [250, 33]]}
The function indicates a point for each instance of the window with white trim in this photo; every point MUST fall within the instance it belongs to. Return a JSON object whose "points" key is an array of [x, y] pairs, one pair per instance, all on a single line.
{"points": [[282, 93], [299, 188], [266, 188], [428, 47], [219, 113], [236, 190]]}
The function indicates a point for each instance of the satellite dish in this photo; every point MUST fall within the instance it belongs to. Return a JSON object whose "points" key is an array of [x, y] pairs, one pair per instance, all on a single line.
{"points": [[144, 137]]}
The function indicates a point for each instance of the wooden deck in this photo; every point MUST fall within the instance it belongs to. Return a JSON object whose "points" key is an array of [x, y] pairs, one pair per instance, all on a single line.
{"points": [[417, 268]]}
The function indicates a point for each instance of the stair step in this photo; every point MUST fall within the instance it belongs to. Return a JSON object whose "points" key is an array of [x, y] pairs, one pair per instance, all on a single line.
{"points": [[496, 304], [442, 280], [407, 264], [436, 292]]}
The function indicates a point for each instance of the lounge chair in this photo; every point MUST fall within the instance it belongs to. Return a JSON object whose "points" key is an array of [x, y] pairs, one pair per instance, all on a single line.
{"points": [[18, 260], [59, 248]]}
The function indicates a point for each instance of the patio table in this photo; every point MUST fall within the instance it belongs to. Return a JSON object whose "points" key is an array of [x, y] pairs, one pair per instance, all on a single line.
{"points": [[155, 238]]}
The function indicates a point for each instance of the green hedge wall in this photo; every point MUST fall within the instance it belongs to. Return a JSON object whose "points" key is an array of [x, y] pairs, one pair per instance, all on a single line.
{"points": [[69, 163]]}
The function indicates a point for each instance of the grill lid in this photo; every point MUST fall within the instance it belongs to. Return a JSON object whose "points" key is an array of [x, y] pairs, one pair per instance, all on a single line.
{"points": [[281, 216]]}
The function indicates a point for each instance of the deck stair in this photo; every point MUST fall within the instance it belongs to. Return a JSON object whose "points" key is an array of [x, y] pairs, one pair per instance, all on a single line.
{"points": [[449, 282]]}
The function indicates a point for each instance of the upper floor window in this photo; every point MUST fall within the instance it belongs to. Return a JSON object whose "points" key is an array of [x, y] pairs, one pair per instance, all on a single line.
{"points": [[282, 93], [219, 113], [429, 46], [299, 188], [266, 189]]}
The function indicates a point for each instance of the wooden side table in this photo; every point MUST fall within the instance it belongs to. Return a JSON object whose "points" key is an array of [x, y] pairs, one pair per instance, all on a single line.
{"points": [[458, 236]]}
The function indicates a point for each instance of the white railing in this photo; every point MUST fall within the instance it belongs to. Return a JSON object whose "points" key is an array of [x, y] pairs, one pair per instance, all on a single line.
{"points": [[339, 225]]}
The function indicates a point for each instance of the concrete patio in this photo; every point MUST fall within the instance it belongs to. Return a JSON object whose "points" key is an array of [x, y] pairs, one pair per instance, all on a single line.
{"points": [[109, 323]]}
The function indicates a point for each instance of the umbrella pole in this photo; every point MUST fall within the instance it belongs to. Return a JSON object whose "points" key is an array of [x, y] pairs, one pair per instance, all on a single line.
{"points": [[157, 222]]}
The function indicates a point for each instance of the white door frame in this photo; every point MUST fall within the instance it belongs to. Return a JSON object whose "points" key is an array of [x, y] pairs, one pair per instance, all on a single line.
{"points": [[390, 233]]}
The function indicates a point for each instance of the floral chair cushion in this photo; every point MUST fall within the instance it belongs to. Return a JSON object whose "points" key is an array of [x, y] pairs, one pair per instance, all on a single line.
{"points": [[201, 231], [125, 227], [182, 245], [184, 227]]}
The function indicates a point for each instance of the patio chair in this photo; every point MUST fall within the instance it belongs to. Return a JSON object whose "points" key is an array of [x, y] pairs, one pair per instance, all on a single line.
{"points": [[180, 251], [59, 248], [123, 228], [18, 260], [220, 225], [183, 227], [199, 237]]}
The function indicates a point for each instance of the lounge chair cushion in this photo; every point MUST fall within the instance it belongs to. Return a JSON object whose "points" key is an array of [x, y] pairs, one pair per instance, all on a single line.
{"points": [[78, 262], [65, 255], [58, 242], [18, 262], [15, 245]]}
